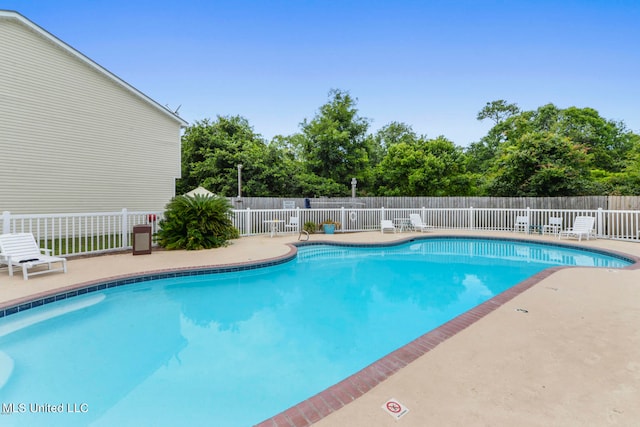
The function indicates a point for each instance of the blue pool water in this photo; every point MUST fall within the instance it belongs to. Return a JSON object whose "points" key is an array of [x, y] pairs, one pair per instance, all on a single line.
{"points": [[233, 349]]}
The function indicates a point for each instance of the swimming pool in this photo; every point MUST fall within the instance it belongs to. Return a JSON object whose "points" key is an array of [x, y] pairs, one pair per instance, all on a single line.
{"points": [[235, 348]]}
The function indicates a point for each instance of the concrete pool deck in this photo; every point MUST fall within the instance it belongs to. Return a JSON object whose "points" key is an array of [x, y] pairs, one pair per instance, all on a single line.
{"points": [[572, 359]]}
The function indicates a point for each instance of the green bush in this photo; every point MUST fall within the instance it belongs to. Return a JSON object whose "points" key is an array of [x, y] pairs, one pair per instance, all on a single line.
{"points": [[310, 227], [199, 222]]}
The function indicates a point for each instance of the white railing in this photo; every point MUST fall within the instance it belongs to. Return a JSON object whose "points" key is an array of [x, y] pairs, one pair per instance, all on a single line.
{"points": [[80, 233], [86, 233], [621, 225]]}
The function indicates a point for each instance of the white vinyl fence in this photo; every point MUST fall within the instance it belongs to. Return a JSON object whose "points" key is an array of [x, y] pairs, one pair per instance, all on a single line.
{"points": [[88, 233], [80, 233], [619, 224]]}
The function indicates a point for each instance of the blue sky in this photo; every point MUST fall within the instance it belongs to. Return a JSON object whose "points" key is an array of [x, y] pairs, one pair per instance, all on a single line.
{"points": [[430, 64]]}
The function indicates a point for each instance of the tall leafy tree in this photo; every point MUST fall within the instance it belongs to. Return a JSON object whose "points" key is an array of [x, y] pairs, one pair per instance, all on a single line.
{"points": [[394, 133], [498, 111], [625, 182], [546, 151], [335, 145], [378, 146], [389, 135], [540, 164], [212, 151], [602, 145], [419, 167], [482, 153], [608, 142], [296, 180]]}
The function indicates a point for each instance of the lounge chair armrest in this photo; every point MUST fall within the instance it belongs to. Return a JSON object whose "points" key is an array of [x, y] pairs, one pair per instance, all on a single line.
{"points": [[45, 251]]}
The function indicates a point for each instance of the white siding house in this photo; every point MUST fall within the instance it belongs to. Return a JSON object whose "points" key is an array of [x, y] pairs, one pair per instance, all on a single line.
{"points": [[73, 136]]}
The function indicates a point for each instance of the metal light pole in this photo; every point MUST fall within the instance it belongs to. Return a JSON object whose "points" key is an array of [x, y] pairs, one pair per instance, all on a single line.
{"points": [[239, 181], [354, 182]]}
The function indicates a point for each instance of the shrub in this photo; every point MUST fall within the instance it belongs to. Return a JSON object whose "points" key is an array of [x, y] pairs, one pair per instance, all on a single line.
{"points": [[310, 227], [199, 222]]}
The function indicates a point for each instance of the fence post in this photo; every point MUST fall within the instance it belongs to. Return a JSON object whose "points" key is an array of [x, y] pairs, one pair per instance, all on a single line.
{"points": [[125, 229], [343, 218], [6, 222], [247, 223], [381, 213], [600, 227], [471, 218]]}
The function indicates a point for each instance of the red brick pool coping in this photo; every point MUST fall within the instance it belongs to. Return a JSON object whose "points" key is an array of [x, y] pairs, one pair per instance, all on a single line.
{"points": [[337, 396]]}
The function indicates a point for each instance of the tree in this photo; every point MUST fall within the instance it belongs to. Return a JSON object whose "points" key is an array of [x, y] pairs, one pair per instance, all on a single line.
{"points": [[421, 167], [540, 164], [482, 153], [295, 180], [335, 140], [498, 111], [525, 152], [211, 152], [625, 182], [608, 142], [394, 133], [390, 134]]}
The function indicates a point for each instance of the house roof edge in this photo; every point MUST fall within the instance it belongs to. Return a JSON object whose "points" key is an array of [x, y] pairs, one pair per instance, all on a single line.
{"points": [[11, 14]]}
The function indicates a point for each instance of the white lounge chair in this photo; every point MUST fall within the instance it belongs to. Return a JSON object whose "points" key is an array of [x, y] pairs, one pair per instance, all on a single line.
{"points": [[387, 224], [582, 226], [522, 224], [417, 224], [554, 226], [293, 225], [21, 250]]}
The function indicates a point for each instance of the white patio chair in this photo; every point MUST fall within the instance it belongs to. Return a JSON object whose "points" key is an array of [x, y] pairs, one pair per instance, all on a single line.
{"points": [[521, 224], [582, 226], [417, 224], [387, 224], [21, 250], [554, 226], [293, 225]]}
